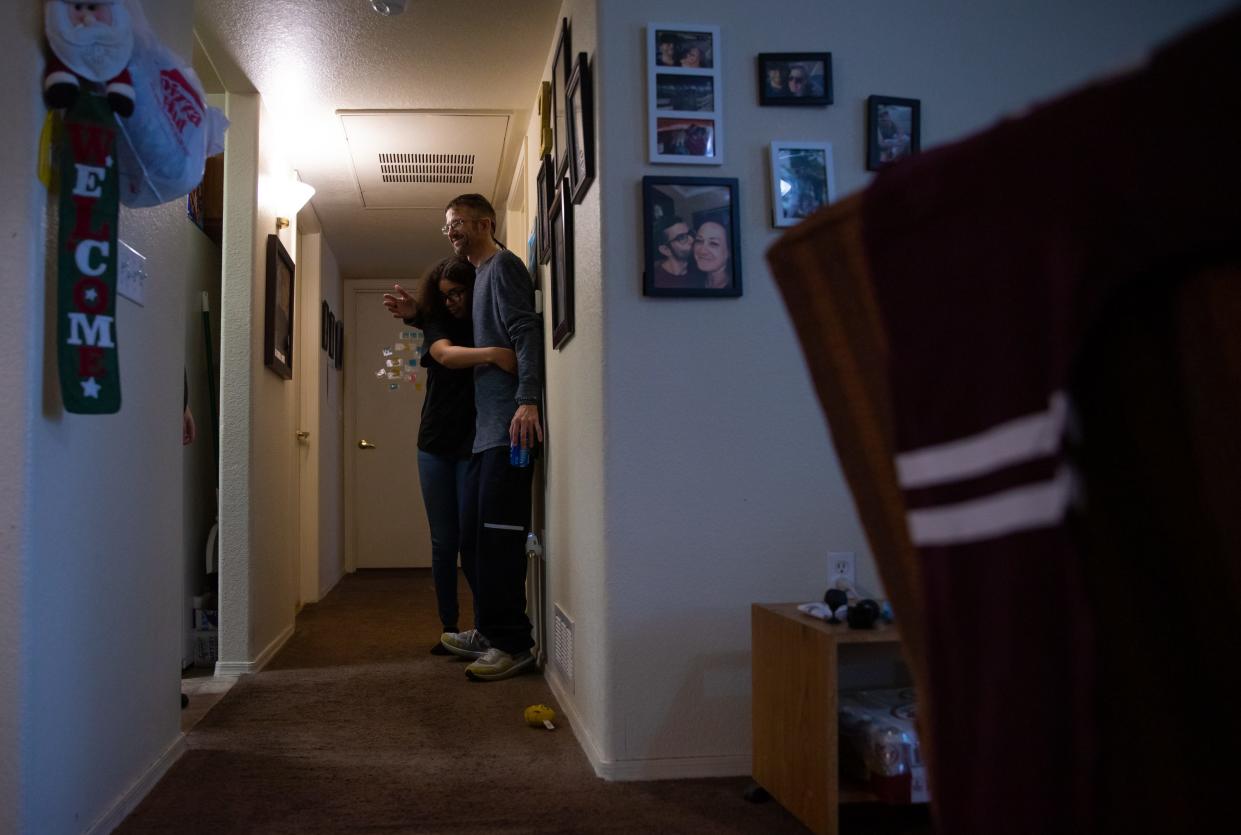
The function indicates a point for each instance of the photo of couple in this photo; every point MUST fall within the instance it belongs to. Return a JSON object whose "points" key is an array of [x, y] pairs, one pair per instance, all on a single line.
{"points": [[691, 247]]}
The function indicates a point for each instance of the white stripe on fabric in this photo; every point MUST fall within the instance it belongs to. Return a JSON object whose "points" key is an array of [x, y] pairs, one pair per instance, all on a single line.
{"points": [[1023, 439], [1030, 507], [503, 527]]}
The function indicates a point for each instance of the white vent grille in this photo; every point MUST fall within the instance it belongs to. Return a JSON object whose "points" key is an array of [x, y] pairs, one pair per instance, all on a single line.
{"points": [[562, 647], [426, 168]]}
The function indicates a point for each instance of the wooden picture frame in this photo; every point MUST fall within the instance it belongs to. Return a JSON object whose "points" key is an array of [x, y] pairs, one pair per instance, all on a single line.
{"points": [[779, 74], [561, 290], [545, 118], [893, 130], [803, 180], [685, 94], [580, 103], [278, 320], [545, 185], [560, 83], [691, 230]]}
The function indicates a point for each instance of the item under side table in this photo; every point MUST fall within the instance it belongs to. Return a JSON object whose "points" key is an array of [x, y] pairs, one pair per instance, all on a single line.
{"points": [[795, 697]]}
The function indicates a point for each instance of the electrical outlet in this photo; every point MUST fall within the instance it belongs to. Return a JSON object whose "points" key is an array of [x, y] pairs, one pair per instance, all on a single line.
{"points": [[840, 564]]}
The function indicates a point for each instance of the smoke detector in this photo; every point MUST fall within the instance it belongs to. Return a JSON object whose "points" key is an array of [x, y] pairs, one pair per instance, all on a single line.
{"points": [[388, 8]]}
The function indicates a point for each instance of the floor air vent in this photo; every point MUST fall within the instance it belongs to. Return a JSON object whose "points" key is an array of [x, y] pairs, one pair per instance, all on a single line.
{"points": [[562, 647], [426, 168]]}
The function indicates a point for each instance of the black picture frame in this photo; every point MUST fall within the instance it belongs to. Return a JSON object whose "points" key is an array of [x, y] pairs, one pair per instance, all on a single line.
{"points": [[580, 103], [562, 266], [324, 312], [331, 335], [545, 184], [775, 70], [893, 130], [339, 359], [561, 67], [278, 320], [715, 253]]}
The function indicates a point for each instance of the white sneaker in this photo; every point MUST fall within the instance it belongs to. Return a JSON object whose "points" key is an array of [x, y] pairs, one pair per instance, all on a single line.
{"points": [[469, 644], [496, 664]]}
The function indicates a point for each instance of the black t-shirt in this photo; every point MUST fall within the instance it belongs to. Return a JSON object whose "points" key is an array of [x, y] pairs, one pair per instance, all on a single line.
{"points": [[448, 410]]}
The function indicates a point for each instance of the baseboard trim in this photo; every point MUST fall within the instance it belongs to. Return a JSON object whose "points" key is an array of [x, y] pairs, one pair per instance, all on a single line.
{"points": [[241, 668], [678, 768], [129, 801]]}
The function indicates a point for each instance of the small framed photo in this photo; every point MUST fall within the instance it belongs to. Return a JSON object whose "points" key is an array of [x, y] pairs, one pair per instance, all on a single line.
{"points": [[893, 130], [691, 227], [331, 335], [278, 321], [545, 185], [580, 102], [339, 359], [324, 312], [562, 266], [802, 180], [689, 47], [684, 140], [560, 83], [795, 79], [687, 93]]}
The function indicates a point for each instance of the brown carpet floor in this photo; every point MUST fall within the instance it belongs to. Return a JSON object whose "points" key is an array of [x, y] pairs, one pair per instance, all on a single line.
{"points": [[355, 727]]}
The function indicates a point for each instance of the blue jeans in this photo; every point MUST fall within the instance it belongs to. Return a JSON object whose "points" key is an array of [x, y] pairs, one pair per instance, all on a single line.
{"points": [[443, 493]]}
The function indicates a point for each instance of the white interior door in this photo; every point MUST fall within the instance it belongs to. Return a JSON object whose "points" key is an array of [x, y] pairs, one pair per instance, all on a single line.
{"points": [[387, 522]]}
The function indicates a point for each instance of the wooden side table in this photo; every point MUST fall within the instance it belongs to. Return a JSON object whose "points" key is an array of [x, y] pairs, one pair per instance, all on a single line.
{"points": [[795, 696]]}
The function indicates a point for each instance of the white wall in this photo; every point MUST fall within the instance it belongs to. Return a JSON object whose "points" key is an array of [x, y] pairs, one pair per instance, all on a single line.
{"points": [[259, 572], [93, 532], [21, 342], [691, 471]]}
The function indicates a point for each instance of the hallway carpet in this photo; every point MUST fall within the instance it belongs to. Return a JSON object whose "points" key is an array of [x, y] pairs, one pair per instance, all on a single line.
{"points": [[355, 727]]}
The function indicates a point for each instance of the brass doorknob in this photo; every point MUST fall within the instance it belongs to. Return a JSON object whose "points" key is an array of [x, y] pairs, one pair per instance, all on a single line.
{"points": [[302, 435], [365, 444]]}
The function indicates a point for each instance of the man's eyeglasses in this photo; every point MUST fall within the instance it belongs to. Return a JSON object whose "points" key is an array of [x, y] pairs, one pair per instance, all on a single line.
{"points": [[449, 228], [797, 79], [681, 238], [456, 294]]}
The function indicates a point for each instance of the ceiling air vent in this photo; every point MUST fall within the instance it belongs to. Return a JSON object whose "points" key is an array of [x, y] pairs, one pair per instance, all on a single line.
{"points": [[426, 168]]}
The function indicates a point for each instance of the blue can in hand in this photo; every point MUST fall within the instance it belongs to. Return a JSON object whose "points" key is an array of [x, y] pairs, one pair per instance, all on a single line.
{"points": [[518, 455]]}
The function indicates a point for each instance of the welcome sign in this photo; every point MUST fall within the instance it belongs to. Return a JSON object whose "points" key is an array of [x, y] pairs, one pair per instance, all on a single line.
{"points": [[90, 377]]}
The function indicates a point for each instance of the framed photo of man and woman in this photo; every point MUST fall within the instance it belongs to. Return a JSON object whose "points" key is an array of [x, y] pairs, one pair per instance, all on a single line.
{"points": [[684, 93], [691, 227], [795, 79]]}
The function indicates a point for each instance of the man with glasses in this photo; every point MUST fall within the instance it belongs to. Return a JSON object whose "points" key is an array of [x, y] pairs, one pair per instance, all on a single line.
{"points": [[676, 243], [498, 501], [800, 82]]}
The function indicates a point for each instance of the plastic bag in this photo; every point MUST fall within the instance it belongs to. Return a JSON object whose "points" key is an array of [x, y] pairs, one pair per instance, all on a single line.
{"points": [[164, 145]]}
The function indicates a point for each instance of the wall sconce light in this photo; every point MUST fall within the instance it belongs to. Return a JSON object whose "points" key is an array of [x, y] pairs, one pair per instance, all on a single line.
{"points": [[294, 194]]}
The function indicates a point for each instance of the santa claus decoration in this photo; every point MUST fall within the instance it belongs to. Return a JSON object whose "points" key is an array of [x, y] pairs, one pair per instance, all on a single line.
{"points": [[91, 42]]}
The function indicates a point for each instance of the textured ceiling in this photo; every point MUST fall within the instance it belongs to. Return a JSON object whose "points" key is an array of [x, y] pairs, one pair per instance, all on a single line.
{"points": [[311, 58]]}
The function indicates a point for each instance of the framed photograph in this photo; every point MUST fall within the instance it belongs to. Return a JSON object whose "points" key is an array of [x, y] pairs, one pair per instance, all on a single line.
{"points": [[545, 118], [691, 227], [560, 83], [562, 266], [324, 312], [340, 343], [795, 79], [545, 184], [802, 180], [687, 93], [685, 140], [331, 335], [685, 96], [684, 45], [893, 130], [278, 321], [580, 101]]}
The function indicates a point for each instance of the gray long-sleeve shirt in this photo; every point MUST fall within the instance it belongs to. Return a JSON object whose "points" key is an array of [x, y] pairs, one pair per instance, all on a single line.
{"points": [[504, 317]]}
